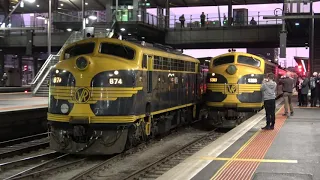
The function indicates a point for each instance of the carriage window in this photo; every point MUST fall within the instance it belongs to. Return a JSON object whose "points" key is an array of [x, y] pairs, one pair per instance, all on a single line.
{"points": [[117, 50], [249, 61], [165, 64], [223, 60], [79, 49], [145, 61], [156, 63]]}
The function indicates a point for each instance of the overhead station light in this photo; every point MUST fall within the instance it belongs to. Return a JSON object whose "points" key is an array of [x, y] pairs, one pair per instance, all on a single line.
{"points": [[86, 4], [22, 4], [69, 29], [30, 1], [38, 5], [40, 17], [93, 17]]}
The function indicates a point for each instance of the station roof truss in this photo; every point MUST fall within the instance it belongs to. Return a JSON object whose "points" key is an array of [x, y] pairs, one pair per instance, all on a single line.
{"points": [[41, 6]]}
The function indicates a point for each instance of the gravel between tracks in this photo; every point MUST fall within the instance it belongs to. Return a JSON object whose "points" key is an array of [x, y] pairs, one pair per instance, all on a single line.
{"points": [[146, 155]]}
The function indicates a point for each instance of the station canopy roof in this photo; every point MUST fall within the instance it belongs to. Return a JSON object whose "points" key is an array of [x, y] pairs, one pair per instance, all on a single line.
{"points": [[41, 6]]}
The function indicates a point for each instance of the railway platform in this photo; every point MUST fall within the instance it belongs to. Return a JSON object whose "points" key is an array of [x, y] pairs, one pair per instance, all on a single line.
{"points": [[15, 89], [17, 101], [22, 115], [290, 151]]}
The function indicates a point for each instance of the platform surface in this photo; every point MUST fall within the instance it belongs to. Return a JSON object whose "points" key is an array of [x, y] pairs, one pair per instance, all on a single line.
{"points": [[290, 151], [21, 101], [15, 89]]}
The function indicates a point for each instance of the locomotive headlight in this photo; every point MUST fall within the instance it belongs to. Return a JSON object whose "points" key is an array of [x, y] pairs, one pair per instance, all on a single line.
{"points": [[82, 63], [213, 74], [116, 72], [252, 80], [64, 108]]}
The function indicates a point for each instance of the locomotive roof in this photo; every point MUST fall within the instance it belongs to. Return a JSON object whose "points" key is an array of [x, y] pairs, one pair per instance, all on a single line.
{"points": [[136, 44]]}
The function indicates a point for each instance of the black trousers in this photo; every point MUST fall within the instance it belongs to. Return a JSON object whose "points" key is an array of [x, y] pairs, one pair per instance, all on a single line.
{"points": [[300, 97], [314, 97], [270, 107], [304, 99]]}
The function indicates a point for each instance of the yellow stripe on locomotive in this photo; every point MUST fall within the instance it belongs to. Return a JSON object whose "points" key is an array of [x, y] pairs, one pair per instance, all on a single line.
{"points": [[234, 82], [112, 91]]}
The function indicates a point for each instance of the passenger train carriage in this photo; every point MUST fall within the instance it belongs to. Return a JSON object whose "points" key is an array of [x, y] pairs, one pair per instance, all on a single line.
{"points": [[234, 82], [107, 95]]}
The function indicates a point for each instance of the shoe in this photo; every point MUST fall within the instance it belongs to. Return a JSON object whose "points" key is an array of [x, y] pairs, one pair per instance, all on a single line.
{"points": [[291, 114], [266, 128]]}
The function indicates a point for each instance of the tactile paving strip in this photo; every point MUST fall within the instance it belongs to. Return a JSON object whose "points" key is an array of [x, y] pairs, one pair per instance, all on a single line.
{"points": [[255, 148]]}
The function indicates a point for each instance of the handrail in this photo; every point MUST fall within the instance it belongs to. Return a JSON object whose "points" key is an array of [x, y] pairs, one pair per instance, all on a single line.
{"points": [[44, 66], [47, 66], [35, 79], [43, 78], [114, 21]]}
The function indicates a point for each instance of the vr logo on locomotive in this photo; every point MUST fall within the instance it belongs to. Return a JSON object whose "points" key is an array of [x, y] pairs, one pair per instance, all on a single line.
{"points": [[82, 95], [232, 89]]}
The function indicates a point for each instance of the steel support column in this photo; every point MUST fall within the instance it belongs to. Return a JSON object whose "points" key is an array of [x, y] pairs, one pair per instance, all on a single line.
{"points": [[311, 42], [49, 27], [230, 19], [167, 23], [2, 59], [83, 3]]}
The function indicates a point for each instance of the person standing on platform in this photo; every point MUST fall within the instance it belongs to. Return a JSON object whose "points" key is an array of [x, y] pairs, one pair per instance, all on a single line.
{"points": [[287, 87], [203, 19], [305, 91], [298, 87], [318, 87], [182, 20], [268, 89], [314, 89], [4, 79]]}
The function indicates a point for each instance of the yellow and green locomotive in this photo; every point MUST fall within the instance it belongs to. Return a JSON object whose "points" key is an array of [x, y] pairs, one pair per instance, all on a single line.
{"points": [[233, 86], [107, 95]]}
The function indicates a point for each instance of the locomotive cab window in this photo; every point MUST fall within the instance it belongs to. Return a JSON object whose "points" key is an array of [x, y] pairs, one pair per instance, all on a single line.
{"points": [[249, 61], [223, 60], [117, 50], [79, 49]]}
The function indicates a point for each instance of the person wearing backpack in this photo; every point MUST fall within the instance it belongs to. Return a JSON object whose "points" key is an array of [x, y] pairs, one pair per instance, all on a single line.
{"points": [[314, 89]]}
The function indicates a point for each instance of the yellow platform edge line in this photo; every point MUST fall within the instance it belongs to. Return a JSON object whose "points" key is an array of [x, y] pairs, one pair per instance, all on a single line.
{"points": [[250, 160], [240, 150]]}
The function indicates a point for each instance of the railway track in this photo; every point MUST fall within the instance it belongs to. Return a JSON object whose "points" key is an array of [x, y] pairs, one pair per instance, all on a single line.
{"points": [[161, 165], [49, 166], [23, 145], [156, 169]]}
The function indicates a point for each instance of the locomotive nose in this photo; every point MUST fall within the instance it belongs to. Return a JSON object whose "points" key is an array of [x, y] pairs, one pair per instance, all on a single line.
{"points": [[232, 69]]}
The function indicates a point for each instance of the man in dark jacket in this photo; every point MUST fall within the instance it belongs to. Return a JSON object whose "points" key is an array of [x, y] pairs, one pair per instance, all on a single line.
{"points": [[298, 87], [203, 19], [305, 90], [268, 89], [287, 86], [182, 20]]}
